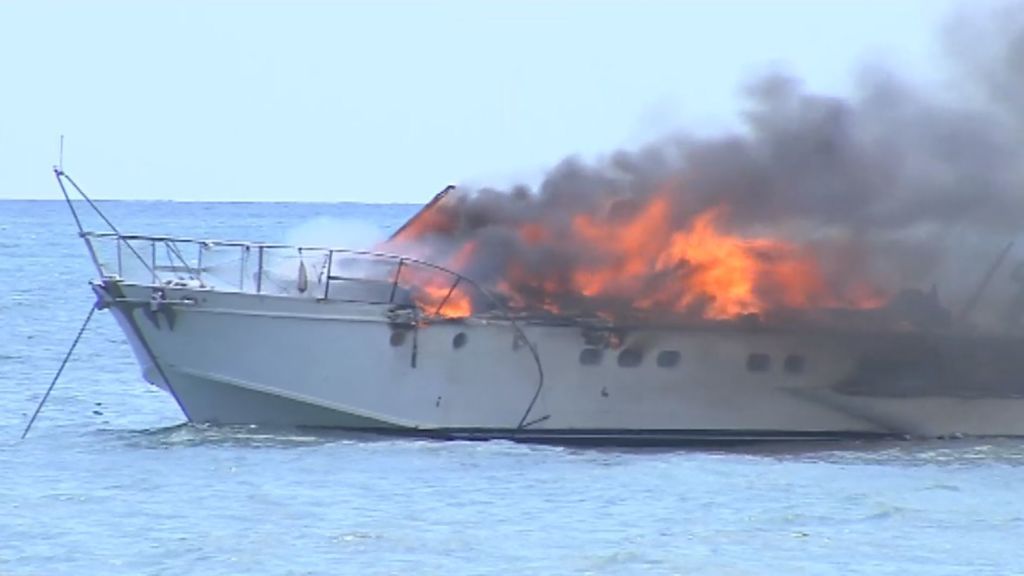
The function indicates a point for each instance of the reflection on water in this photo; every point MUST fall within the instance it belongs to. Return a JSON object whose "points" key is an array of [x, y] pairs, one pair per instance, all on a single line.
{"points": [[941, 452]]}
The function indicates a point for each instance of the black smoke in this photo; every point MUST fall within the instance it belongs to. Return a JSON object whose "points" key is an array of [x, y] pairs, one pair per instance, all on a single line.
{"points": [[908, 187]]}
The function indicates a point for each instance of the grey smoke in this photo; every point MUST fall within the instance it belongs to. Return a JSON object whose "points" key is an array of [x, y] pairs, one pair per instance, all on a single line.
{"points": [[907, 186]]}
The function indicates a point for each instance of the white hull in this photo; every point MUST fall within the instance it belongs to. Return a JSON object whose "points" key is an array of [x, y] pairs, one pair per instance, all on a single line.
{"points": [[241, 358]]}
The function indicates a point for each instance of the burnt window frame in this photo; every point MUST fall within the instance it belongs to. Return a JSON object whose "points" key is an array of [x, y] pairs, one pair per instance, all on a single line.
{"points": [[590, 352], [662, 360], [625, 358], [759, 362], [794, 363], [459, 341]]}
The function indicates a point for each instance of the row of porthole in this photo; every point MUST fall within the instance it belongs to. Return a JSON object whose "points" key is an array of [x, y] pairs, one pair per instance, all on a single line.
{"points": [[397, 339], [631, 358], [792, 363]]}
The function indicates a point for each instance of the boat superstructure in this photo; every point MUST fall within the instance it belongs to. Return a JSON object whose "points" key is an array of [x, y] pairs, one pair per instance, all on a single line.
{"points": [[255, 333]]}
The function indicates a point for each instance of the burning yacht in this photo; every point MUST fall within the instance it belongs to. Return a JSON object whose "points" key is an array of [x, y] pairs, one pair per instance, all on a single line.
{"points": [[457, 328]]}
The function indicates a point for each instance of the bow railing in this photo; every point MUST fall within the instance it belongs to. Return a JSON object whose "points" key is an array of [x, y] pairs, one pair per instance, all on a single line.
{"points": [[337, 274]]}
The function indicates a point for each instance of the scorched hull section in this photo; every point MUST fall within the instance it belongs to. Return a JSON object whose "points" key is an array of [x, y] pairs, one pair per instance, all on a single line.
{"points": [[242, 358]]}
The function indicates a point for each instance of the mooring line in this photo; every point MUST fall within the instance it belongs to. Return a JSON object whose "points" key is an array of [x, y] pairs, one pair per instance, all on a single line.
{"points": [[56, 377]]}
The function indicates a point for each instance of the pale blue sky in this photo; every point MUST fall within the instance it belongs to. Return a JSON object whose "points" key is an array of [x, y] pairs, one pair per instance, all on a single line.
{"points": [[388, 102]]}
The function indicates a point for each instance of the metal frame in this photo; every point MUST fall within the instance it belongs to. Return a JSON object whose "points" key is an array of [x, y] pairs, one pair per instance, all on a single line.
{"points": [[173, 249]]}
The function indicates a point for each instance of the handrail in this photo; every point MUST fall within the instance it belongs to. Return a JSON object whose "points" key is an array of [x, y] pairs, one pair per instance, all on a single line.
{"points": [[268, 245], [171, 243]]}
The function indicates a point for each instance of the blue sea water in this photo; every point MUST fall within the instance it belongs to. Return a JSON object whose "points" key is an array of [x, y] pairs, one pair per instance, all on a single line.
{"points": [[112, 481]]}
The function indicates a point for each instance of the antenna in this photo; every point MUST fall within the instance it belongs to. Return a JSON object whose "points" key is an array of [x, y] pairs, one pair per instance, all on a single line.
{"points": [[60, 164]]}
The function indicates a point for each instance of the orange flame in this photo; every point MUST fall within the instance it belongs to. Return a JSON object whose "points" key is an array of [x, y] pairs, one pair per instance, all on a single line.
{"points": [[729, 270], [699, 266], [440, 300], [643, 260], [438, 293]]}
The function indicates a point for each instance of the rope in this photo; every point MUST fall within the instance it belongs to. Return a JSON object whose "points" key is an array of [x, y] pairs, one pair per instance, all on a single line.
{"points": [[67, 357]]}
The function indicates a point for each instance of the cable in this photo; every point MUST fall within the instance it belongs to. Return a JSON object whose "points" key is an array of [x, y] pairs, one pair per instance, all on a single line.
{"points": [[67, 357]]}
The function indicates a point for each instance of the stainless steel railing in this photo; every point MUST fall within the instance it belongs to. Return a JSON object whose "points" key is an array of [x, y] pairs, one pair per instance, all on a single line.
{"points": [[279, 269]]}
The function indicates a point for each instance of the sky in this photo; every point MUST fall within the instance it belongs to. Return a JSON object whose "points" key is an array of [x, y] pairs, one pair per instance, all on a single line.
{"points": [[390, 102]]}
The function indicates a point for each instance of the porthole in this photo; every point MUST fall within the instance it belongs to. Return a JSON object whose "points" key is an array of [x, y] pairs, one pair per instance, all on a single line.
{"points": [[459, 340], [397, 338], [794, 364], [668, 358], [758, 362], [630, 358], [591, 356]]}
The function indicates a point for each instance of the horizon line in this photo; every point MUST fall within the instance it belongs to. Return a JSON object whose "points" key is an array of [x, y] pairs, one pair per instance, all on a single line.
{"points": [[220, 201]]}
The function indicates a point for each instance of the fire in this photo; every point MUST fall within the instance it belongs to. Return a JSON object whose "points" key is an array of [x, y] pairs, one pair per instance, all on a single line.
{"points": [[699, 266], [437, 292], [730, 271], [447, 301], [608, 263]]}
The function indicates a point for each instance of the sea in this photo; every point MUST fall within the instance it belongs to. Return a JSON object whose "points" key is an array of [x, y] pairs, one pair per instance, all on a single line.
{"points": [[112, 480]]}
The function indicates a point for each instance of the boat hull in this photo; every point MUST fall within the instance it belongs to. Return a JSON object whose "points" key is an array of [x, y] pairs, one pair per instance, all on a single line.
{"points": [[239, 358]]}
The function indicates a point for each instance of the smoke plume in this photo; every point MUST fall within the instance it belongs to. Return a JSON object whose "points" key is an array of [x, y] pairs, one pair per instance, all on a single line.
{"points": [[838, 203]]}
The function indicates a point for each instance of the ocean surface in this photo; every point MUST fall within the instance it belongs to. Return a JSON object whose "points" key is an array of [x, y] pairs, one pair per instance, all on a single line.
{"points": [[112, 481]]}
